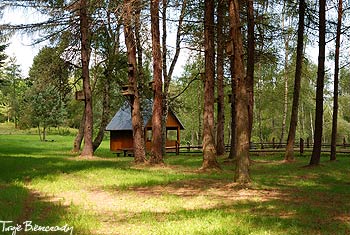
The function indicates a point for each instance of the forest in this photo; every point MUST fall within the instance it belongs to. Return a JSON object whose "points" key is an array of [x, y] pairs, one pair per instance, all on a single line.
{"points": [[237, 73]]}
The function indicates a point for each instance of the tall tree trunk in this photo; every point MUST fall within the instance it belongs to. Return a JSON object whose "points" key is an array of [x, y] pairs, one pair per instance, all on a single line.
{"points": [[136, 118], [316, 151], [242, 116], [336, 84], [80, 135], [289, 155], [85, 60], [220, 129], [209, 150], [250, 63], [156, 151]]}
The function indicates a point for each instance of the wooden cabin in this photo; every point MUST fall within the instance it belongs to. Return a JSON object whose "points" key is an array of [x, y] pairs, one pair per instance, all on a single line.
{"points": [[121, 136]]}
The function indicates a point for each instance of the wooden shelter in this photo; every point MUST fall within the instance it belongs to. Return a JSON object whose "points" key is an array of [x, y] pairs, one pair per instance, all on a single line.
{"points": [[121, 136]]}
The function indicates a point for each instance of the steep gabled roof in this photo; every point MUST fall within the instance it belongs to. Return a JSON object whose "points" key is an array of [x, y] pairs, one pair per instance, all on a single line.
{"points": [[122, 119]]}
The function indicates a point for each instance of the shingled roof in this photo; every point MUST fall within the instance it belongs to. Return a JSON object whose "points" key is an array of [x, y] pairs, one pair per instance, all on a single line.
{"points": [[122, 119]]}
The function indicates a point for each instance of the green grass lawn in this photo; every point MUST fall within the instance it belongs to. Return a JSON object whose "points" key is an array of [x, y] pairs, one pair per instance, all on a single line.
{"points": [[42, 182]]}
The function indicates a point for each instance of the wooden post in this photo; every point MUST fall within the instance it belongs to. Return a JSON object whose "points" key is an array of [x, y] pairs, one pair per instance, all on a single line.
{"points": [[308, 142], [273, 142], [177, 146], [344, 142], [301, 145]]}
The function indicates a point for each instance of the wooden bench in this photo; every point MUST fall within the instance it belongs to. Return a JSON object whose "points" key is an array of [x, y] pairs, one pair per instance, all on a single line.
{"points": [[126, 152]]}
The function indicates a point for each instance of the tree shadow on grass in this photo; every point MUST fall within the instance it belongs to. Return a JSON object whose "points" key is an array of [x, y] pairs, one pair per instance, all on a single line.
{"points": [[302, 202], [288, 214], [27, 168], [25, 209]]}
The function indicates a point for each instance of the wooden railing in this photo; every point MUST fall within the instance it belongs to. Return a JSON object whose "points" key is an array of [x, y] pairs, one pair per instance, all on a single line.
{"points": [[301, 146]]}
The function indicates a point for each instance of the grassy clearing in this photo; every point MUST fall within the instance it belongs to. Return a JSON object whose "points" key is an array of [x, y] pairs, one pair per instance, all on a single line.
{"points": [[43, 183]]}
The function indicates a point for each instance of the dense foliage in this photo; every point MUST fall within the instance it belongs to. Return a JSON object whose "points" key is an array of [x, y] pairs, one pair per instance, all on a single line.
{"points": [[275, 38]]}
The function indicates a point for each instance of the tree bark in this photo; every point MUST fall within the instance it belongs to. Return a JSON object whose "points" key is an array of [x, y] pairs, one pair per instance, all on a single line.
{"points": [[242, 116], [156, 151], [209, 150], [220, 129], [289, 155], [316, 151], [336, 84], [136, 118], [85, 60]]}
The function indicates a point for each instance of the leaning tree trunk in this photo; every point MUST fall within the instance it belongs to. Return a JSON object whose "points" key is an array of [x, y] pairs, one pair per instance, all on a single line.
{"points": [[85, 59], [289, 155], [336, 84], [242, 116], [220, 129], [209, 150], [136, 118], [316, 151]]}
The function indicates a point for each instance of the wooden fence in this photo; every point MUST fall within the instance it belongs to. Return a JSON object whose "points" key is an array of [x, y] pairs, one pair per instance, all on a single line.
{"points": [[273, 147]]}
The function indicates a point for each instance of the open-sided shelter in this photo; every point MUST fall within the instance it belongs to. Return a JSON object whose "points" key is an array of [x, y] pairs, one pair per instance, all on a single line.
{"points": [[120, 127]]}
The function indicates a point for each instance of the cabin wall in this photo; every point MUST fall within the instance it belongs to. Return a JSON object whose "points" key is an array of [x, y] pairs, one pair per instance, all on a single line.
{"points": [[121, 140]]}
